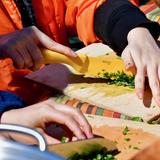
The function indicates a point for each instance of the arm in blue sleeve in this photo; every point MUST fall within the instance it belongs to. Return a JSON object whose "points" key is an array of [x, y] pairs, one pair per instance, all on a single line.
{"points": [[10, 101]]}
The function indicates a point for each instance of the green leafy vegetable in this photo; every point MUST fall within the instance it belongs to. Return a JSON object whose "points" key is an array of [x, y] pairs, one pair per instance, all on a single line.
{"points": [[118, 78], [125, 131], [115, 142], [64, 139], [138, 119], [102, 154], [127, 139], [136, 148]]}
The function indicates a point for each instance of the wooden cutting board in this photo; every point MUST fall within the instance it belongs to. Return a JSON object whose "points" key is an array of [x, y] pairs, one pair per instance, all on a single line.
{"points": [[96, 91], [137, 136]]}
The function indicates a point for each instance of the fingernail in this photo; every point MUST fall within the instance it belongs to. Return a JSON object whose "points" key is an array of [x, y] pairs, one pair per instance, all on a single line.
{"points": [[90, 135], [83, 137]]}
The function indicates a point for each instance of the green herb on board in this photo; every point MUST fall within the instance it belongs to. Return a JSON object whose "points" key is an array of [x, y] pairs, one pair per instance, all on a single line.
{"points": [[102, 154], [82, 87], [138, 119], [127, 139], [125, 131], [136, 148], [64, 139], [118, 78], [115, 142]]}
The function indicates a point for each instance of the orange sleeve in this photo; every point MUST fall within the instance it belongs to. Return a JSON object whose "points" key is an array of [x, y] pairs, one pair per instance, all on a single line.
{"points": [[80, 18]]}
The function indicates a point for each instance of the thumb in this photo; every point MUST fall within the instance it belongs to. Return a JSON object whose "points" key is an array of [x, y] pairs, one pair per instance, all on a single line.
{"points": [[128, 61], [48, 43]]}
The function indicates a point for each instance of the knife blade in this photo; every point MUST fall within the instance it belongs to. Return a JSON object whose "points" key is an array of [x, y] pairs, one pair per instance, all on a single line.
{"points": [[87, 65], [82, 146]]}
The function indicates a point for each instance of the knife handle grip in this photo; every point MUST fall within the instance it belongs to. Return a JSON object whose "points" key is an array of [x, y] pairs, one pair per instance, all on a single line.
{"points": [[55, 57]]}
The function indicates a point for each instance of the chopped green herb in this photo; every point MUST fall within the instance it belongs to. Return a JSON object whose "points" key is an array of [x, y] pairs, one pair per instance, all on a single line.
{"points": [[99, 157], [107, 53], [153, 106], [125, 131], [63, 139], [127, 139], [138, 119], [102, 154], [136, 148], [115, 142], [82, 87], [119, 78]]}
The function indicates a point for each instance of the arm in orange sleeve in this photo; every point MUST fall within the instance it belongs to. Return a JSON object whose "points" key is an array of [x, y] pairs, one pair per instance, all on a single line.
{"points": [[79, 18]]}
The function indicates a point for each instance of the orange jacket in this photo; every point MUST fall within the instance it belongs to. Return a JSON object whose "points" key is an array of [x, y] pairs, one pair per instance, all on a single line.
{"points": [[57, 18], [53, 17]]}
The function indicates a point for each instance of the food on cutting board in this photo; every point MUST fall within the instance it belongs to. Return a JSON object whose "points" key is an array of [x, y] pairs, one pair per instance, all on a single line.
{"points": [[102, 154], [129, 141]]}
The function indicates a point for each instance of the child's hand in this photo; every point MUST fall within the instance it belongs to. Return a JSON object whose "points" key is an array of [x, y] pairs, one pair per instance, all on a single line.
{"points": [[22, 47], [37, 116], [143, 55]]}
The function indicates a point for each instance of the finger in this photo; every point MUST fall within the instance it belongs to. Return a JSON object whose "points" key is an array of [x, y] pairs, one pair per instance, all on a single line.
{"points": [[74, 139], [140, 81], [62, 118], [26, 57], [36, 55], [152, 72], [47, 42], [16, 57], [78, 117], [128, 61], [49, 139]]}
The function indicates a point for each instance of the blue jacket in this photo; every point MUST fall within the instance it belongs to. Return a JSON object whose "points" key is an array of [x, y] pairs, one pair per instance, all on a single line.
{"points": [[10, 101]]}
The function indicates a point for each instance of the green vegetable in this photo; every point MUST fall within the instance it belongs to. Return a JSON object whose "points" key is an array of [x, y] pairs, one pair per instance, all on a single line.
{"points": [[118, 78], [115, 142], [136, 148], [138, 119], [63, 139], [125, 131], [101, 154], [127, 139]]}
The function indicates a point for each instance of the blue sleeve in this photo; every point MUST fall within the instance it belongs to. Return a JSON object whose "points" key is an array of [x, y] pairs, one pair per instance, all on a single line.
{"points": [[10, 101]]}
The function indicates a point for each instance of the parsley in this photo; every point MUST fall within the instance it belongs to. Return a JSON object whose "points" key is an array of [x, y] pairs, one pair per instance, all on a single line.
{"points": [[63, 139], [136, 148], [125, 131], [118, 78], [138, 119], [115, 142], [127, 139]]}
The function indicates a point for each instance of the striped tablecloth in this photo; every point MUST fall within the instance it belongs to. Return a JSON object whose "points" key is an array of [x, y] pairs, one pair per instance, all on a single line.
{"points": [[88, 108]]}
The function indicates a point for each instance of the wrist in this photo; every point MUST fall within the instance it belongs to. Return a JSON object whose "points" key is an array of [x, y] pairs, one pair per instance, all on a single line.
{"points": [[137, 32]]}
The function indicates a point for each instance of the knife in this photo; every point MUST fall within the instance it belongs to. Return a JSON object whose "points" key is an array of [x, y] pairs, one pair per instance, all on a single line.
{"points": [[83, 147], [87, 65]]}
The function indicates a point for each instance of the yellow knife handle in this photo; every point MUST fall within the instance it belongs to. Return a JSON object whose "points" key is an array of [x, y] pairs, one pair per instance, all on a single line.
{"points": [[54, 57]]}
